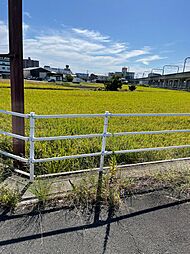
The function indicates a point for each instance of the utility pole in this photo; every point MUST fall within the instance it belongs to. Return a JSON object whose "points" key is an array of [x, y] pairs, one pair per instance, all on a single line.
{"points": [[170, 66], [156, 69], [144, 73], [185, 62], [16, 72]]}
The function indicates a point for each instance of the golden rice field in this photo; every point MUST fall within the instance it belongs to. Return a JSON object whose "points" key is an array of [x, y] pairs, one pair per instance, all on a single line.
{"points": [[68, 99]]}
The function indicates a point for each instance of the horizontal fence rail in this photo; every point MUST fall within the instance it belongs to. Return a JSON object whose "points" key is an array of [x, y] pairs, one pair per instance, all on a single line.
{"points": [[107, 135], [32, 139], [108, 114], [13, 156], [5, 112], [14, 135]]}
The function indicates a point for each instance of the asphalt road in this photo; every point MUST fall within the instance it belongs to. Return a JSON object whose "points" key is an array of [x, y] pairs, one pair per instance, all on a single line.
{"points": [[149, 224]]}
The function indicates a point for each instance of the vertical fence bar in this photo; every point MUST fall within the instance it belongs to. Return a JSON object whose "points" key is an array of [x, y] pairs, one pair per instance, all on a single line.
{"points": [[104, 140], [32, 131]]}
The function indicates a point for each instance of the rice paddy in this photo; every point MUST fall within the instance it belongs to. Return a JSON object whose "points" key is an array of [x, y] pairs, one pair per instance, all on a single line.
{"points": [[70, 99]]}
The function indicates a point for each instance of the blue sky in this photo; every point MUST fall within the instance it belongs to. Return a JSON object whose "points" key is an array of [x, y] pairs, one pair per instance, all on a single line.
{"points": [[104, 35]]}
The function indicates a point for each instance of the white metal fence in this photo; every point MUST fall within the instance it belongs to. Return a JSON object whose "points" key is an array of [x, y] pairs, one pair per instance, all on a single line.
{"points": [[31, 161]]}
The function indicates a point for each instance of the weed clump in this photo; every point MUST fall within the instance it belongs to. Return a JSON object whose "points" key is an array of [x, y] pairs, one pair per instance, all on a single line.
{"points": [[84, 194], [41, 189], [172, 178], [5, 169], [9, 198], [178, 181], [111, 188]]}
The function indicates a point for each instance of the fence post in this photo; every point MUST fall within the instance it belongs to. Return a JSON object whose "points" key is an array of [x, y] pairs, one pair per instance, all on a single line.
{"points": [[32, 130], [104, 140]]}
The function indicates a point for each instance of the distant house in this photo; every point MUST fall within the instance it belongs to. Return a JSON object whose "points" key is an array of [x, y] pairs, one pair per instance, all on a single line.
{"points": [[101, 78], [111, 74], [36, 73], [40, 73], [53, 76], [93, 77], [65, 71], [77, 80], [83, 76], [98, 78]]}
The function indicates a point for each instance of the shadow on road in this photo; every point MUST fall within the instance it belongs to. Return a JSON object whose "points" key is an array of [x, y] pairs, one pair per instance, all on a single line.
{"points": [[100, 223], [111, 218]]}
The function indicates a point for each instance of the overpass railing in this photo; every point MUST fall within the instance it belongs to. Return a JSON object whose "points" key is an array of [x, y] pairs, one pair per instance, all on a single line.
{"points": [[32, 161]]}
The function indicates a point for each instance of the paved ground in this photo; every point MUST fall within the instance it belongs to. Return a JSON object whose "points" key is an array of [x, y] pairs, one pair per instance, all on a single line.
{"points": [[149, 224], [62, 183]]}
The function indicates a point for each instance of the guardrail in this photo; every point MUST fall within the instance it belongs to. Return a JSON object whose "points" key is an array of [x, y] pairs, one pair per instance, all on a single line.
{"points": [[32, 139]]}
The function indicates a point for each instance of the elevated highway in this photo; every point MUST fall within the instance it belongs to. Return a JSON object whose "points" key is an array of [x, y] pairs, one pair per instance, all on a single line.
{"points": [[178, 81]]}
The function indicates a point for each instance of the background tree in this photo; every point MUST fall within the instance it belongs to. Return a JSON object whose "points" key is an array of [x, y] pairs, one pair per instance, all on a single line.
{"points": [[113, 84], [69, 78], [93, 77], [132, 88]]}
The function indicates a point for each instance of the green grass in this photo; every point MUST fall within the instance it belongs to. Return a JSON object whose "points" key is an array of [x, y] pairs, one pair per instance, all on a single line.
{"points": [[9, 198], [52, 99], [41, 189]]}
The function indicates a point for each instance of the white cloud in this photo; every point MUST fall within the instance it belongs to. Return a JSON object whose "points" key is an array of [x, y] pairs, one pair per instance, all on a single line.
{"points": [[82, 49], [91, 34], [26, 27], [27, 14], [4, 37], [4, 45], [137, 52], [149, 59]]}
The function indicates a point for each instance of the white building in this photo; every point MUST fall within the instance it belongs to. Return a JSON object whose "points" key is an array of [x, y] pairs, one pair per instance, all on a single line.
{"points": [[102, 78], [4, 67], [123, 74], [65, 71], [83, 76]]}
